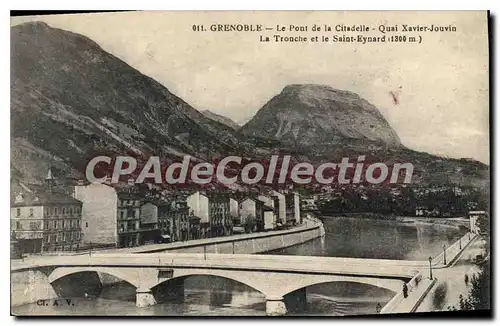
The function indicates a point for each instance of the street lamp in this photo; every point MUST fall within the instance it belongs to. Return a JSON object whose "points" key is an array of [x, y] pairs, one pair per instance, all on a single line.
{"points": [[430, 267], [444, 254]]}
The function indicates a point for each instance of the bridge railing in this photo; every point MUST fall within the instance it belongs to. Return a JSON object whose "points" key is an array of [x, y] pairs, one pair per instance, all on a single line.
{"points": [[453, 250], [398, 298]]}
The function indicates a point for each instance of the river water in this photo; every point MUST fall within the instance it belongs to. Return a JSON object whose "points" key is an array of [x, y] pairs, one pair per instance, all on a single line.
{"points": [[345, 237]]}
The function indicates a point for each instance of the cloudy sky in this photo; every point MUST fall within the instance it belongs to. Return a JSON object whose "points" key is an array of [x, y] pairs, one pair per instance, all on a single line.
{"points": [[442, 83]]}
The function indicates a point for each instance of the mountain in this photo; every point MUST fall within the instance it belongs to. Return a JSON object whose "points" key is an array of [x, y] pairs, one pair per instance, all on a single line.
{"points": [[70, 99], [306, 115], [319, 123], [221, 119]]}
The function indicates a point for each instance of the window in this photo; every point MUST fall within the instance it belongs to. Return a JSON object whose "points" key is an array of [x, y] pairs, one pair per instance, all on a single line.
{"points": [[19, 226], [86, 224], [18, 212], [71, 211], [31, 211], [63, 224], [55, 210], [45, 225], [121, 214], [64, 210], [56, 224]]}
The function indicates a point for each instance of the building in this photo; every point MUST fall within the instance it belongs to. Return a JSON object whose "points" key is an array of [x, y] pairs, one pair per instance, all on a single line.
{"points": [[150, 231], [270, 219], [279, 207], [199, 207], [46, 220], [129, 218], [112, 216], [174, 220], [474, 216], [292, 209], [254, 208], [234, 210], [166, 222], [99, 213], [420, 211], [221, 222]]}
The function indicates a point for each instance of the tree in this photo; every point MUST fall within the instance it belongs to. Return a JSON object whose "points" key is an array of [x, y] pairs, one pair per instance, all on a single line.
{"points": [[483, 224], [250, 223], [479, 294]]}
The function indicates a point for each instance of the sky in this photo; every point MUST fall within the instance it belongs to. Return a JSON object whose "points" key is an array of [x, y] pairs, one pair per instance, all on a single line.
{"points": [[441, 83]]}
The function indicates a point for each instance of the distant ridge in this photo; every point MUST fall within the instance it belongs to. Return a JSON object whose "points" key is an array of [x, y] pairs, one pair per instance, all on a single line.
{"points": [[222, 119]]}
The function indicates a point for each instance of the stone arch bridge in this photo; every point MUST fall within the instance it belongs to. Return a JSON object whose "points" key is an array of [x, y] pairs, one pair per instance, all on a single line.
{"points": [[279, 278]]}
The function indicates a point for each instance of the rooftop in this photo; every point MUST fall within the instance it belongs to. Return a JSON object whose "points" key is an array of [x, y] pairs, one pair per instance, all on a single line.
{"points": [[43, 199]]}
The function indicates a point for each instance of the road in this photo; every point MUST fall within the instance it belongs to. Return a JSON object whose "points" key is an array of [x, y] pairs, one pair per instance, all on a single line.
{"points": [[451, 281]]}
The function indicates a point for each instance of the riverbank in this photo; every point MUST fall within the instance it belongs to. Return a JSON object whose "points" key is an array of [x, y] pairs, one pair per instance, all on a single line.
{"points": [[455, 222], [252, 243], [366, 215]]}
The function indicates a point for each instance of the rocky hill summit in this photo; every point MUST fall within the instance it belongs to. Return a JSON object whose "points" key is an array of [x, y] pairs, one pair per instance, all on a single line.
{"points": [[317, 114]]}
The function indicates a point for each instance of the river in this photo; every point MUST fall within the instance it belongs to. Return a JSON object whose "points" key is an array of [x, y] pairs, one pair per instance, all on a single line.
{"points": [[345, 237]]}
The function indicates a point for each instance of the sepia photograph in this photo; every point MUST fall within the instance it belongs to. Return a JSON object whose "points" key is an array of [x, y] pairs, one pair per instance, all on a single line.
{"points": [[250, 163]]}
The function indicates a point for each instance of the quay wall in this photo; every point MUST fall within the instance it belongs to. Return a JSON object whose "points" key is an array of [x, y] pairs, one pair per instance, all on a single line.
{"points": [[253, 243], [453, 251]]}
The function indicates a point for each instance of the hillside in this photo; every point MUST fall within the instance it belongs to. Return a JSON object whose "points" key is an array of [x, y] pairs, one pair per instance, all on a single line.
{"points": [[71, 99]]}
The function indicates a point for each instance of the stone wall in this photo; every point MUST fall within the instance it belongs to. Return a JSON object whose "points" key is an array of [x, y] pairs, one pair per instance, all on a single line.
{"points": [[30, 286], [250, 243]]}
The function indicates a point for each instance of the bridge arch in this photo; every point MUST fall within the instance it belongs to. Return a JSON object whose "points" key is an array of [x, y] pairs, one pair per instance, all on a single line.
{"points": [[128, 275], [393, 285], [248, 279]]}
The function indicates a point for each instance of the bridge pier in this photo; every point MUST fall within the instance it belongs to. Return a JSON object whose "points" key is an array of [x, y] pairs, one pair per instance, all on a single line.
{"points": [[275, 306], [144, 298]]}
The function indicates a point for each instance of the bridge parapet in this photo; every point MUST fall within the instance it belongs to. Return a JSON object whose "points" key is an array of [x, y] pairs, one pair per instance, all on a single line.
{"points": [[418, 287], [454, 250]]}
